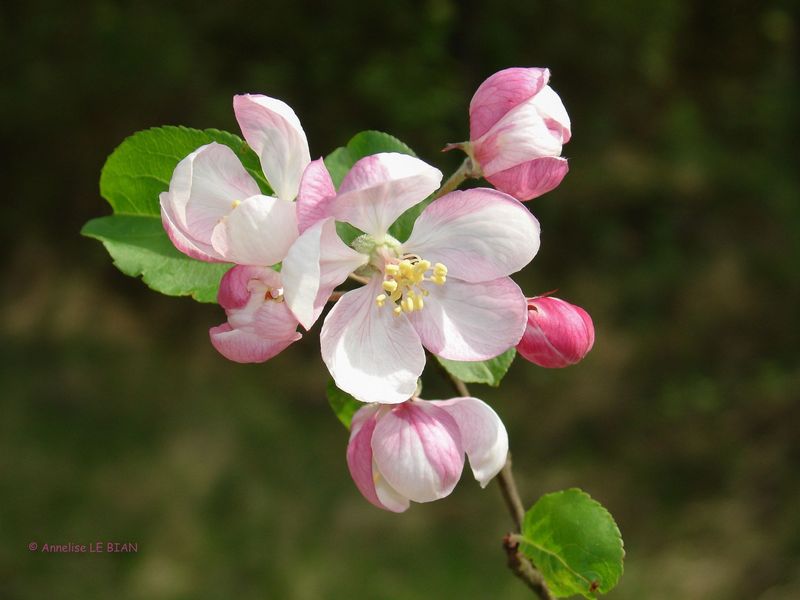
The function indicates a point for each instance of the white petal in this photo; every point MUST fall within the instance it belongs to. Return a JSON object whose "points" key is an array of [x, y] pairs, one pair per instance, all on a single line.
{"points": [[259, 231], [317, 262], [472, 321], [371, 353], [380, 188], [549, 105], [478, 234], [482, 433], [273, 130]]}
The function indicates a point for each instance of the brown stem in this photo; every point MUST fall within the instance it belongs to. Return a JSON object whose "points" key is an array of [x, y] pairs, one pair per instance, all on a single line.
{"points": [[335, 296], [517, 562]]}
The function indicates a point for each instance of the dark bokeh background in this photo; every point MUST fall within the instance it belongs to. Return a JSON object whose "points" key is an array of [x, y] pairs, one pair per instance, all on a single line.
{"points": [[677, 228]]}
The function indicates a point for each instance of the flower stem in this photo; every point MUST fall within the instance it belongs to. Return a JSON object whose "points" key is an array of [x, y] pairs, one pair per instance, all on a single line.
{"points": [[466, 170], [517, 562]]}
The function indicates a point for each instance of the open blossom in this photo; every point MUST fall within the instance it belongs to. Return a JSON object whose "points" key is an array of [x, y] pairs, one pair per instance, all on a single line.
{"points": [[415, 450], [214, 211], [445, 289], [517, 127], [558, 334]]}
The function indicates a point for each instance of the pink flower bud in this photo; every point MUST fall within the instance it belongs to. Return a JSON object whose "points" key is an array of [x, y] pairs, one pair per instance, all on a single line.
{"points": [[559, 334], [517, 127]]}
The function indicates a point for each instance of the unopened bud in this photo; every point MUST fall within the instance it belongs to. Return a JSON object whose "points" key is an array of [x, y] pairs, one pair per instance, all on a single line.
{"points": [[558, 334]]}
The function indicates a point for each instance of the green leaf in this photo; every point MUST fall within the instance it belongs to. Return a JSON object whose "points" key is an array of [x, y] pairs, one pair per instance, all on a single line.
{"points": [[142, 165], [574, 542], [343, 404], [140, 248], [489, 371], [131, 181]]}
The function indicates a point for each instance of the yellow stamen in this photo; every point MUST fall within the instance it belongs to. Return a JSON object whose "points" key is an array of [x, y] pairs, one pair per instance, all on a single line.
{"points": [[380, 299], [390, 285], [235, 203]]}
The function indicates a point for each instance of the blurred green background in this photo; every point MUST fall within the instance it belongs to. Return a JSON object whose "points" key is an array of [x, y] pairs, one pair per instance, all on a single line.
{"points": [[677, 229]]}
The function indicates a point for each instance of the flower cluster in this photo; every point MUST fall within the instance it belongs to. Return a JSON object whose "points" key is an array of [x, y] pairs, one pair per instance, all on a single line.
{"points": [[446, 289]]}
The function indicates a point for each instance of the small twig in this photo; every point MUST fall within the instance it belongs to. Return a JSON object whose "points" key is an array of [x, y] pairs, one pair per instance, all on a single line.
{"points": [[517, 562], [522, 568]]}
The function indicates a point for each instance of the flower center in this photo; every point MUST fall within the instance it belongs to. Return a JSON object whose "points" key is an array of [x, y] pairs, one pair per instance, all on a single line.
{"points": [[404, 282]]}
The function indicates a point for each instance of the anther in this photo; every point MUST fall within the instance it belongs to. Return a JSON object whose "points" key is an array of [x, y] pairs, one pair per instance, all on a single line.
{"points": [[390, 285]]}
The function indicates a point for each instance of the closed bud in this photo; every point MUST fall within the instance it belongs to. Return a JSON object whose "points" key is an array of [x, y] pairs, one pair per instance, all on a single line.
{"points": [[558, 334], [517, 127]]}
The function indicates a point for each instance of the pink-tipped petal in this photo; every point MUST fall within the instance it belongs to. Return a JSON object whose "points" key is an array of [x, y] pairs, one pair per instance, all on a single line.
{"points": [[482, 433], [362, 466], [558, 334], [381, 187], [531, 179], [273, 130], [315, 264], [502, 92], [478, 234], [191, 248], [315, 195], [258, 231], [244, 346], [418, 450], [471, 321], [371, 353]]}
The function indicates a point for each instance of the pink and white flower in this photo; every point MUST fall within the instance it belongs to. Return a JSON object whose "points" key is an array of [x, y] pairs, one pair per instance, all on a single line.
{"points": [[214, 211], [517, 127], [558, 334], [447, 288], [415, 450]]}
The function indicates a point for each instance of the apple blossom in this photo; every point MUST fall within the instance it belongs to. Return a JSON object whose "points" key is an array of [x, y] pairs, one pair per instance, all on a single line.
{"points": [[415, 450], [446, 288], [558, 334], [517, 127], [215, 211]]}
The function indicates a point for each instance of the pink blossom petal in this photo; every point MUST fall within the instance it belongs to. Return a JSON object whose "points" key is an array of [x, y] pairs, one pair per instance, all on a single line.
{"points": [[380, 188], [316, 263], [259, 231], [482, 433], [531, 179], [273, 130], [362, 466], [371, 353], [502, 92], [521, 135], [239, 283], [245, 346], [194, 249], [315, 195], [471, 321], [478, 234], [418, 450]]}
